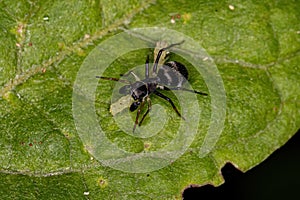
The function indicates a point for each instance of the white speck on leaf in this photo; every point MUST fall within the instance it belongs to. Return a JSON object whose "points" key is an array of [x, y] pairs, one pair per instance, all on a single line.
{"points": [[205, 59], [86, 193]]}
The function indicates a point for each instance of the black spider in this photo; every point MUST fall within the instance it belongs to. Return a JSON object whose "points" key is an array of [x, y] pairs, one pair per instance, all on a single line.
{"points": [[171, 76]]}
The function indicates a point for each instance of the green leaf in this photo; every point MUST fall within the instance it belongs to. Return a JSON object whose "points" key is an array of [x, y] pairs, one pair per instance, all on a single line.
{"points": [[255, 47]]}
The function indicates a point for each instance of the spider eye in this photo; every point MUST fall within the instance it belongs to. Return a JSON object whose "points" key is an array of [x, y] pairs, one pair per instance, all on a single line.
{"points": [[134, 106]]}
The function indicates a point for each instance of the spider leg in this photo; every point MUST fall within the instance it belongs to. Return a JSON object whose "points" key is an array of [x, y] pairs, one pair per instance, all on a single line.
{"points": [[135, 76], [148, 110], [113, 79], [132, 74], [170, 101], [183, 89], [137, 116], [159, 55], [147, 67]]}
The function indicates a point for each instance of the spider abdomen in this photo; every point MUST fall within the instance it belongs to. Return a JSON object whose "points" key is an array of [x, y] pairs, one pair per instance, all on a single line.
{"points": [[173, 74]]}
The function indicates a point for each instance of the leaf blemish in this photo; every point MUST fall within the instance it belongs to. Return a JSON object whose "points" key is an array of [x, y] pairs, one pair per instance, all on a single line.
{"points": [[102, 182], [231, 7], [147, 146]]}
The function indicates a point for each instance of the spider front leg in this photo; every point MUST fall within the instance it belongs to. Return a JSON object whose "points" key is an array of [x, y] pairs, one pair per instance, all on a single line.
{"points": [[113, 79], [159, 55], [147, 67]]}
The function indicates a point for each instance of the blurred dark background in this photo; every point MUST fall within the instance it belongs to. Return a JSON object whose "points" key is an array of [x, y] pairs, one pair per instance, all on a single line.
{"points": [[278, 177]]}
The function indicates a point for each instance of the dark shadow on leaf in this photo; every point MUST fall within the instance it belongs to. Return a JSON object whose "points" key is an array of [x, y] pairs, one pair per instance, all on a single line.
{"points": [[275, 178]]}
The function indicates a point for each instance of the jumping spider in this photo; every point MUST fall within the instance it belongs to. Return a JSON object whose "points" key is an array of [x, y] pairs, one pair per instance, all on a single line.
{"points": [[170, 76]]}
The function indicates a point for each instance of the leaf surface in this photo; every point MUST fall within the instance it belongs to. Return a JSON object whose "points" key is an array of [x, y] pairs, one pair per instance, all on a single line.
{"points": [[255, 46]]}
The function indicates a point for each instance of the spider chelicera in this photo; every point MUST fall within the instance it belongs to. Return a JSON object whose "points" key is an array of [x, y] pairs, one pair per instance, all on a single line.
{"points": [[170, 76]]}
